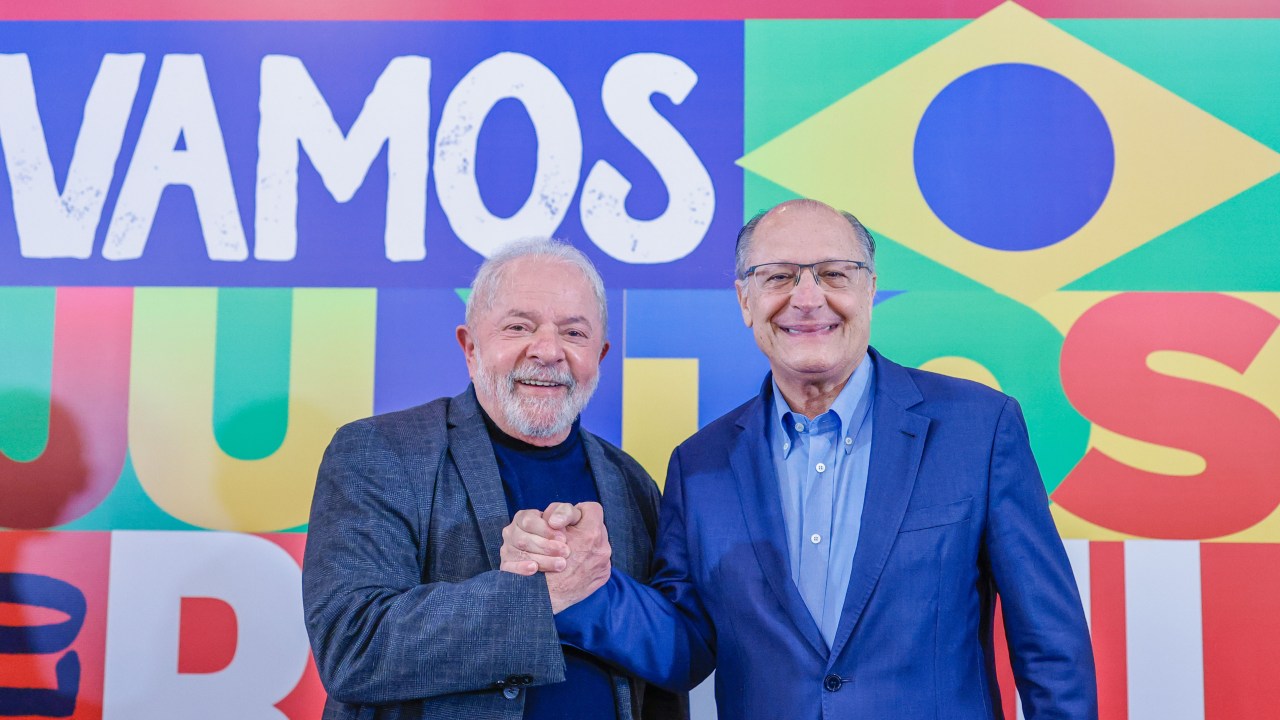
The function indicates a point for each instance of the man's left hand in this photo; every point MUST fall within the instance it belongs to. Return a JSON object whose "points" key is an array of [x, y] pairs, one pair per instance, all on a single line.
{"points": [[569, 542]]}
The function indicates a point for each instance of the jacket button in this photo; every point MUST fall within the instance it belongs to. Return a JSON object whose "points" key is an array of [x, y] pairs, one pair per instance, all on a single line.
{"points": [[832, 683], [524, 679], [510, 693]]}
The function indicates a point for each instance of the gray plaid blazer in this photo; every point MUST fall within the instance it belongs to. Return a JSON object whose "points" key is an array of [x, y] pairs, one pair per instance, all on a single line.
{"points": [[408, 614]]}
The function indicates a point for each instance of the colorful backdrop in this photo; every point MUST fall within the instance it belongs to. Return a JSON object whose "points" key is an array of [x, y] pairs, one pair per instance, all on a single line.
{"points": [[228, 228]]}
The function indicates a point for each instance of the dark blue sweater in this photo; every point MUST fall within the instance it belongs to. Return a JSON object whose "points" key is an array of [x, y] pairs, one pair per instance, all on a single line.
{"points": [[534, 477]]}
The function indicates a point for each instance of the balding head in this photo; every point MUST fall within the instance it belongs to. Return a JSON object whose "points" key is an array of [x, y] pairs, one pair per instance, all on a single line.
{"points": [[743, 252]]}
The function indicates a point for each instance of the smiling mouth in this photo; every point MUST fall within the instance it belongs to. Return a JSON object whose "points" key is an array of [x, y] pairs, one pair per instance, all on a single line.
{"points": [[540, 383], [807, 329]]}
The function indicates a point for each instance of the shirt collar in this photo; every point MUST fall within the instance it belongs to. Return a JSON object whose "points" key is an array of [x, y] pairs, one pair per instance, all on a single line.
{"points": [[846, 404]]}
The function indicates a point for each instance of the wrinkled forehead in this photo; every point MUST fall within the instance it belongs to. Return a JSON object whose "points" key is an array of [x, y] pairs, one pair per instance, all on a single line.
{"points": [[546, 289]]}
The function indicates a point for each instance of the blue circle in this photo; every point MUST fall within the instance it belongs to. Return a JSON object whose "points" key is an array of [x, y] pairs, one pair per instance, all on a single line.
{"points": [[1014, 157]]}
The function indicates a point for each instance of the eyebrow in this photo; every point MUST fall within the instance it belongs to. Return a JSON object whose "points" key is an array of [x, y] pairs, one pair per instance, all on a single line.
{"points": [[535, 317]]}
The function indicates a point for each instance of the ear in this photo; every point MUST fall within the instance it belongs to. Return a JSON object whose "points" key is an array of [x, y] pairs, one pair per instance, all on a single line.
{"points": [[741, 287], [604, 350], [468, 345]]}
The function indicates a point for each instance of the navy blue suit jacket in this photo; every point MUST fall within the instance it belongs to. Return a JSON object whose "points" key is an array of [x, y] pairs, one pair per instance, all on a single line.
{"points": [[955, 512]]}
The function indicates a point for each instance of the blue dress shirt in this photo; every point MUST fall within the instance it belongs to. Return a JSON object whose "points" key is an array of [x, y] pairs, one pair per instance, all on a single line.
{"points": [[822, 475]]}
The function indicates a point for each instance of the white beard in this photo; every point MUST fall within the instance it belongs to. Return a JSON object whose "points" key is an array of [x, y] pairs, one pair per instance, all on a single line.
{"points": [[535, 417]]}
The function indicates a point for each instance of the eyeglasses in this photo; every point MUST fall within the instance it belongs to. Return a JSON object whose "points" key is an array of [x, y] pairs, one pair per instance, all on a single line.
{"points": [[781, 277]]}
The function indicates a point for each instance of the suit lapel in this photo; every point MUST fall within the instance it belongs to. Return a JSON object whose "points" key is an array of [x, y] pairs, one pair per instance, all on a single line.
{"points": [[757, 482], [472, 453], [621, 516], [897, 443]]}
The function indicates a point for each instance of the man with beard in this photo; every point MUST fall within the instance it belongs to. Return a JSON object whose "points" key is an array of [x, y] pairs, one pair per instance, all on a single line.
{"points": [[408, 613]]}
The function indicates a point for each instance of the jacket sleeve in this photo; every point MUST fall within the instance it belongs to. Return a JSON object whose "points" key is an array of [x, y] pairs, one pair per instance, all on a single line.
{"points": [[1044, 621], [658, 632], [381, 634]]}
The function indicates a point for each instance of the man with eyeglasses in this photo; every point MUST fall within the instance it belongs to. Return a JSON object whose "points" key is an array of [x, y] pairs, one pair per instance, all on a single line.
{"points": [[834, 547]]}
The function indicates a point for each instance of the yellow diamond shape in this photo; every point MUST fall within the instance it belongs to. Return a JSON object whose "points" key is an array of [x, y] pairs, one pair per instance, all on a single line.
{"points": [[1173, 161]]}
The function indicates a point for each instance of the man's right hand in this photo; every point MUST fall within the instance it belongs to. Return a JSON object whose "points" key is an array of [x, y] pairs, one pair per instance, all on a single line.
{"points": [[535, 541], [568, 542]]}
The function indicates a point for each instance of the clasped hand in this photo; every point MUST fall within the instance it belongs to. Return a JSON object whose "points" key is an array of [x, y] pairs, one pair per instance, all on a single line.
{"points": [[567, 542]]}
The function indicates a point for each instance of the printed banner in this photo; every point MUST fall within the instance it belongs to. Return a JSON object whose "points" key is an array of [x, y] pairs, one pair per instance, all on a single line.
{"points": [[228, 229]]}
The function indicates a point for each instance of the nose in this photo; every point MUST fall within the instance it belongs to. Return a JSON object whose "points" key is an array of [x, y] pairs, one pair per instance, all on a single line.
{"points": [[808, 294], [545, 346]]}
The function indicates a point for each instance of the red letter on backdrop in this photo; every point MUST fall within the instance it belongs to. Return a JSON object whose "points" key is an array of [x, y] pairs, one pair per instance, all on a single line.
{"points": [[1106, 377], [1241, 629]]}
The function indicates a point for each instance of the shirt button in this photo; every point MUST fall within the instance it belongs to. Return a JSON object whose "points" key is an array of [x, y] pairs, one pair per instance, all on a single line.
{"points": [[799, 427], [822, 467], [510, 693], [815, 538], [848, 441], [786, 446]]}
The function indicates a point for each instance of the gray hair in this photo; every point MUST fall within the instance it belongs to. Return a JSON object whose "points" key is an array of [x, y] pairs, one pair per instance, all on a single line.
{"points": [[492, 273], [748, 231]]}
